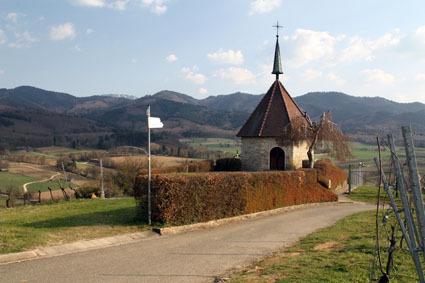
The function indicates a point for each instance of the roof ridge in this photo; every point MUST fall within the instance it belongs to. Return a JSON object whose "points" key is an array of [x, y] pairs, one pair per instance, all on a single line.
{"points": [[283, 98], [268, 108], [296, 105], [255, 110]]}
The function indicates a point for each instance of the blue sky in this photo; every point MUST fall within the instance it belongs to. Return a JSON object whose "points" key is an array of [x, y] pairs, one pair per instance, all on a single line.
{"points": [[212, 47]]}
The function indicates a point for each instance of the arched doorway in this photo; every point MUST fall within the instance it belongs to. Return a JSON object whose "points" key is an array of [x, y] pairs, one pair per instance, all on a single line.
{"points": [[277, 159]]}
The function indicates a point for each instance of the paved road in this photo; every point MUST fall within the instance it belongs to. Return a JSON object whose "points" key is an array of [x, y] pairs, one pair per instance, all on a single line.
{"points": [[197, 256]]}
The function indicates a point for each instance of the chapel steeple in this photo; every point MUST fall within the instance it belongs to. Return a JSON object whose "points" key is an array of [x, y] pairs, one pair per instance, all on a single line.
{"points": [[277, 65]]}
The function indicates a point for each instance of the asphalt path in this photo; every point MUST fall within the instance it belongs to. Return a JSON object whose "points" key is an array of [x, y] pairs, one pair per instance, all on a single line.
{"points": [[197, 256]]}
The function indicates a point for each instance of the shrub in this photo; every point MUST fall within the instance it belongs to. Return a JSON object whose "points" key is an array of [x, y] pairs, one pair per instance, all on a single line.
{"points": [[327, 171], [228, 164], [126, 173], [189, 198], [86, 192]]}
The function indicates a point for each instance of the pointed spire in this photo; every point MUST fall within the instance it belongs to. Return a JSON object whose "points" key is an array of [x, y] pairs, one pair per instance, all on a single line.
{"points": [[277, 65]]}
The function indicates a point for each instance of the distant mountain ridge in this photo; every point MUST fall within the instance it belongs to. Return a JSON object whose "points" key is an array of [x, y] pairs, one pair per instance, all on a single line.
{"points": [[186, 116]]}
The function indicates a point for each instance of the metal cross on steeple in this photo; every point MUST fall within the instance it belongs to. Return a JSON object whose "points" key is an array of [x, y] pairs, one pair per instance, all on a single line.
{"points": [[277, 26]]}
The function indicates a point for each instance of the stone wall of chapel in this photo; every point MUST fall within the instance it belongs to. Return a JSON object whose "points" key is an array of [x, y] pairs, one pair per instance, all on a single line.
{"points": [[255, 154]]}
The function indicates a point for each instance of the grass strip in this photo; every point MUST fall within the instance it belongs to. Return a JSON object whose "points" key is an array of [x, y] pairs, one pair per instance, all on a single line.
{"points": [[342, 253], [28, 227]]}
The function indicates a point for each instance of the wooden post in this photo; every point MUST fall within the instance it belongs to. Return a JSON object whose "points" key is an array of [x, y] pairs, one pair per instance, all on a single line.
{"points": [[51, 195], [39, 196]]}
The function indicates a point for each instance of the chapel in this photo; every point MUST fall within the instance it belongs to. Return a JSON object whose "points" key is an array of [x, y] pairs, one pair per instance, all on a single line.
{"points": [[262, 134]]}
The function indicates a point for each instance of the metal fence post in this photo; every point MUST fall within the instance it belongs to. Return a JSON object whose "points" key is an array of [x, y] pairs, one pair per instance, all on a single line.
{"points": [[350, 178]]}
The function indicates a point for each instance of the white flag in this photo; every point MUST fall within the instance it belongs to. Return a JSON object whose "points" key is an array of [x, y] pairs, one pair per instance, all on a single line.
{"points": [[155, 123]]}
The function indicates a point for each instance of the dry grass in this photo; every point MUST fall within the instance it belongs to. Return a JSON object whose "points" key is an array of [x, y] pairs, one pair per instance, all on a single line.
{"points": [[159, 161], [32, 170]]}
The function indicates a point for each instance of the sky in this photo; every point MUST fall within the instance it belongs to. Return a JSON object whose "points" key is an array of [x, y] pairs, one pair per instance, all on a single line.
{"points": [[214, 47]]}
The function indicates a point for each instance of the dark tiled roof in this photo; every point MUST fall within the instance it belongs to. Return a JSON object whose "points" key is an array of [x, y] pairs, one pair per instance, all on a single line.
{"points": [[275, 111]]}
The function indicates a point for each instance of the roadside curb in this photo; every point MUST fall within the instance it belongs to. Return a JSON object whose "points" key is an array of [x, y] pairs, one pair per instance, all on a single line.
{"points": [[214, 223], [83, 245]]}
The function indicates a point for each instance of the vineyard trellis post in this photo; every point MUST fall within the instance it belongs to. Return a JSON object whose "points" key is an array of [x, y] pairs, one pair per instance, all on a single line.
{"points": [[410, 222], [414, 240], [415, 184]]}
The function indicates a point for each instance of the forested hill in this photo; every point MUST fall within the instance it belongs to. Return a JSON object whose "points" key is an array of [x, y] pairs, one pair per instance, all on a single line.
{"points": [[183, 115]]}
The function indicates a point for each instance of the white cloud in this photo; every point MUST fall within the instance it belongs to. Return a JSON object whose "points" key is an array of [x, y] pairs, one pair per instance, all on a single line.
{"points": [[134, 60], [194, 77], [2, 37], [23, 40], [77, 48], [360, 49], [203, 91], [157, 6], [420, 34], [307, 46], [377, 76], [119, 5], [171, 58], [311, 74], [13, 17], [420, 77], [1, 72], [335, 79], [237, 75], [264, 45], [263, 6], [89, 3], [89, 31], [226, 57], [61, 32], [265, 74]]}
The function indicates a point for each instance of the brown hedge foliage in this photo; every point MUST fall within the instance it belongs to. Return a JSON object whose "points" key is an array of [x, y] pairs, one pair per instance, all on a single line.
{"points": [[190, 198], [326, 170], [200, 166]]}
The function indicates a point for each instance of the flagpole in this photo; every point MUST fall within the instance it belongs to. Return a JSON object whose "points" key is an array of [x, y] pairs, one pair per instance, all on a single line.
{"points": [[148, 113]]}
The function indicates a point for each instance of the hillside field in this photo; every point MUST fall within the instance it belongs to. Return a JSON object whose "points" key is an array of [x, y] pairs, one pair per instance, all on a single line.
{"points": [[215, 144]]}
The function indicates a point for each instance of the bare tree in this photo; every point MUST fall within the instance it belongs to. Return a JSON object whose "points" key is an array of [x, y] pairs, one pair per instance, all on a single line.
{"points": [[324, 132]]}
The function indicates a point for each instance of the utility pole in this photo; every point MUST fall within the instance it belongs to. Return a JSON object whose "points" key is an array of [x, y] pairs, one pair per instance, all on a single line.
{"points": [[102, 191], [64, 174]]}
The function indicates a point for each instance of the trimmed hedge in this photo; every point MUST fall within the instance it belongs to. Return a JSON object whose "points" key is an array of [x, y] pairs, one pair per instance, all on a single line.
{"points": [[228, 164], [200, 166], [190, 198], [326, 170]]}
